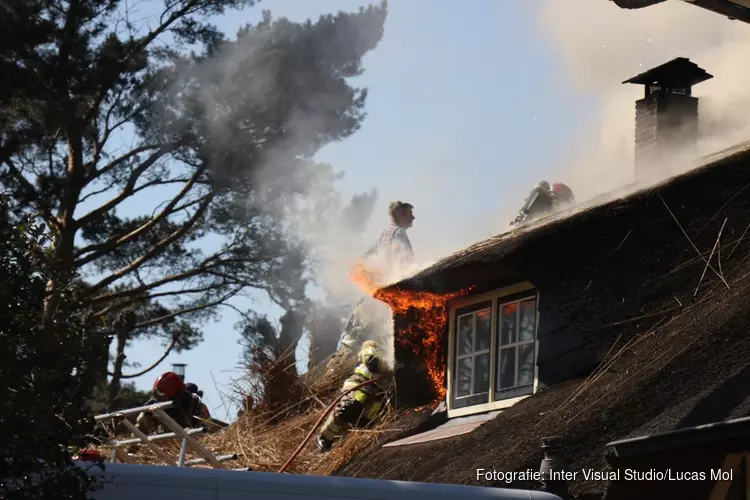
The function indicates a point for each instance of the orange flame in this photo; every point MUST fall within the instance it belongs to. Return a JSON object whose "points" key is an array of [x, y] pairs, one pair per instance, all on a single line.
{"points": [[424, 335]]}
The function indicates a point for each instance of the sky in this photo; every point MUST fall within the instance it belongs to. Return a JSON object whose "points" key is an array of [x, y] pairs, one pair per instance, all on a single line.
{"points": [[469, 105]]}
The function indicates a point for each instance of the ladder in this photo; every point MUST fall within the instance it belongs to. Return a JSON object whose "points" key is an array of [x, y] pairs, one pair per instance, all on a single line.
{"points": [[177, 432]]}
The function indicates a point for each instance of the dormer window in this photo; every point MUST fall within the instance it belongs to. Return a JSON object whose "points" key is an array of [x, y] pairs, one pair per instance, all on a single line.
{"points": [[492, 350]]}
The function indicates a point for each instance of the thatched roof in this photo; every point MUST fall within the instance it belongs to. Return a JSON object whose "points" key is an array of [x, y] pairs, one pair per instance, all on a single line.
{"points": [[435, 278], [630, 276]]}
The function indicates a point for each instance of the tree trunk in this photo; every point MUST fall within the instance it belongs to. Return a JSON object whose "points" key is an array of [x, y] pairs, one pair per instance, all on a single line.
{"points": [[114, 384], [291, 331], [324, 337], [63, 263], [64, 246]]}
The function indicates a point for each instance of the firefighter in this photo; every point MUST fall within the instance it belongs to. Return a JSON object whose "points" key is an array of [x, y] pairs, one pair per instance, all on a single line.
{"points": [[193, 389], [388, 255], [544, 199], [361, 406], [170, 387], [393, 247], [366, 322]]}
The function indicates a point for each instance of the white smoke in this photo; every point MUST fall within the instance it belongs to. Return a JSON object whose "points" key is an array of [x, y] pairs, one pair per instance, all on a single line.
{"points": [[602, 45], [246, 77]]}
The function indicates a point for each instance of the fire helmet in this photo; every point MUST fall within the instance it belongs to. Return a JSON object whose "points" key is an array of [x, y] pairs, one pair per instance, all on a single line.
{"points": [[191, 388], [563, 192], [370, 356], [88, 455], [369, 348], [169, 385]]}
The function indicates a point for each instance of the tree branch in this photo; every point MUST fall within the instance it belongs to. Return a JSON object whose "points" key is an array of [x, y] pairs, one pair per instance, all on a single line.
{"points": [[200, 307], [99, 191], [137, 48], [201, 268], [130, 154], [187, 205], [31, 191], [143, 288], [155, 364], [145, 185], [127, 191], [99, 144], [161, 244], [115, 241], [136, 300]]}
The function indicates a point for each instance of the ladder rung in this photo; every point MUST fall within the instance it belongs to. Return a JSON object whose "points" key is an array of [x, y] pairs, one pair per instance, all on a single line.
{"points": [[155, 437], [131, 411], [177, 432], [220, 458]]}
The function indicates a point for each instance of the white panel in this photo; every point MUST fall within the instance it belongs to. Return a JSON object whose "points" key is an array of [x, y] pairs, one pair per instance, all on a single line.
{"points": [[144, 482]]}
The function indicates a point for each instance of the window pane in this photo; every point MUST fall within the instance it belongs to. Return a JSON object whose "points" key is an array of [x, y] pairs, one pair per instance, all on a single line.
{"points": [[465, 335], [484, 327], [508, 324], [463, 375], [482, 374], [507, 370], [526, 364], [528, 319]]}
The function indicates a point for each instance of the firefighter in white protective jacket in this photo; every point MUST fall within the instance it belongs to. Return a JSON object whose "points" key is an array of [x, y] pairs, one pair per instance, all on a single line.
{"points": [[389, 256], [362, 406]]}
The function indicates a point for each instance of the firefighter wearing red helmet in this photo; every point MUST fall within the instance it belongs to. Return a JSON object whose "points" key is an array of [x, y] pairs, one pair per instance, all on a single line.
{"points": [[563, 193], [170, 387], [543, 200]]}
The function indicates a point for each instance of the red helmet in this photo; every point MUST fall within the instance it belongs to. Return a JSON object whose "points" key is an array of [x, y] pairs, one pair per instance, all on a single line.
{"points": [[169, 385], [88, 455], [563, 192]]}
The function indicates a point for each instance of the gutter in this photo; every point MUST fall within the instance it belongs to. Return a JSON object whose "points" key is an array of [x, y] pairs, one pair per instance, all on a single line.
{"points": [[636, 4], [737, 431]]}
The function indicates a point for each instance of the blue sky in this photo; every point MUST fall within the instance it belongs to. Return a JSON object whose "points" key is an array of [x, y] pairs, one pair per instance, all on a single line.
{"points": [[472, 102], [467, 108]]}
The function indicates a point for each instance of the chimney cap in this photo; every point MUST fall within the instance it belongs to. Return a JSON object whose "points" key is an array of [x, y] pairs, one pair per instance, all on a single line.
{"points": [[679, 72]]}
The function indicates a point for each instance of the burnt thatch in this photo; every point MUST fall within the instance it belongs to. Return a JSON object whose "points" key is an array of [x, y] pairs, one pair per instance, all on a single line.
{"points": [[628, 276]]}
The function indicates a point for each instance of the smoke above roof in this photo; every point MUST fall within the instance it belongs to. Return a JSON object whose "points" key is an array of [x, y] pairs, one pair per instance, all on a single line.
{"points": [[609, 44]]}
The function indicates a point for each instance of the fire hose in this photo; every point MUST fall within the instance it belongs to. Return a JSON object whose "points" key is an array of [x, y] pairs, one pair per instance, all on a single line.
{"points": [[323, 416]]}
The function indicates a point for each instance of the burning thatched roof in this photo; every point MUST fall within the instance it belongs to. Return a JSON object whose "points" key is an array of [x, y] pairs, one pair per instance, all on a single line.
{"points": [[505, 245], [631, 277]]}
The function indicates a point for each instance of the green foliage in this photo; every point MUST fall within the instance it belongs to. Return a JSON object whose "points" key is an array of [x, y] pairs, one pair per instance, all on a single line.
{"points": [[128, 397], [46, 373], [168, 160]]}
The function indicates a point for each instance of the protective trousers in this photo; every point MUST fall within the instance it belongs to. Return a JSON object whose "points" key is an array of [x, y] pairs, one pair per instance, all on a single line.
{"points": [[357, 408]]}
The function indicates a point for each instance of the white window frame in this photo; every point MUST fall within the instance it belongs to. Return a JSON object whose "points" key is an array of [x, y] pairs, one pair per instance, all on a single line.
{"points": [[474, 353], [496, 296], [518, 343]]}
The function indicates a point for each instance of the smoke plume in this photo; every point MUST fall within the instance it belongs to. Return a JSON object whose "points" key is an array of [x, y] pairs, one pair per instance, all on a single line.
{"points": [[248, 79], [602, 45]]}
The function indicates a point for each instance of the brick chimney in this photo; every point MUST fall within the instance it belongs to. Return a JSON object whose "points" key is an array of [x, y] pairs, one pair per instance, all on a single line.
{"points": [[666, 119]]}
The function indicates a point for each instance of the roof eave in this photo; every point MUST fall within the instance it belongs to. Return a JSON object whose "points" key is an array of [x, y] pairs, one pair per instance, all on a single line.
{"points": [[730, 430], [422, 280]]}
